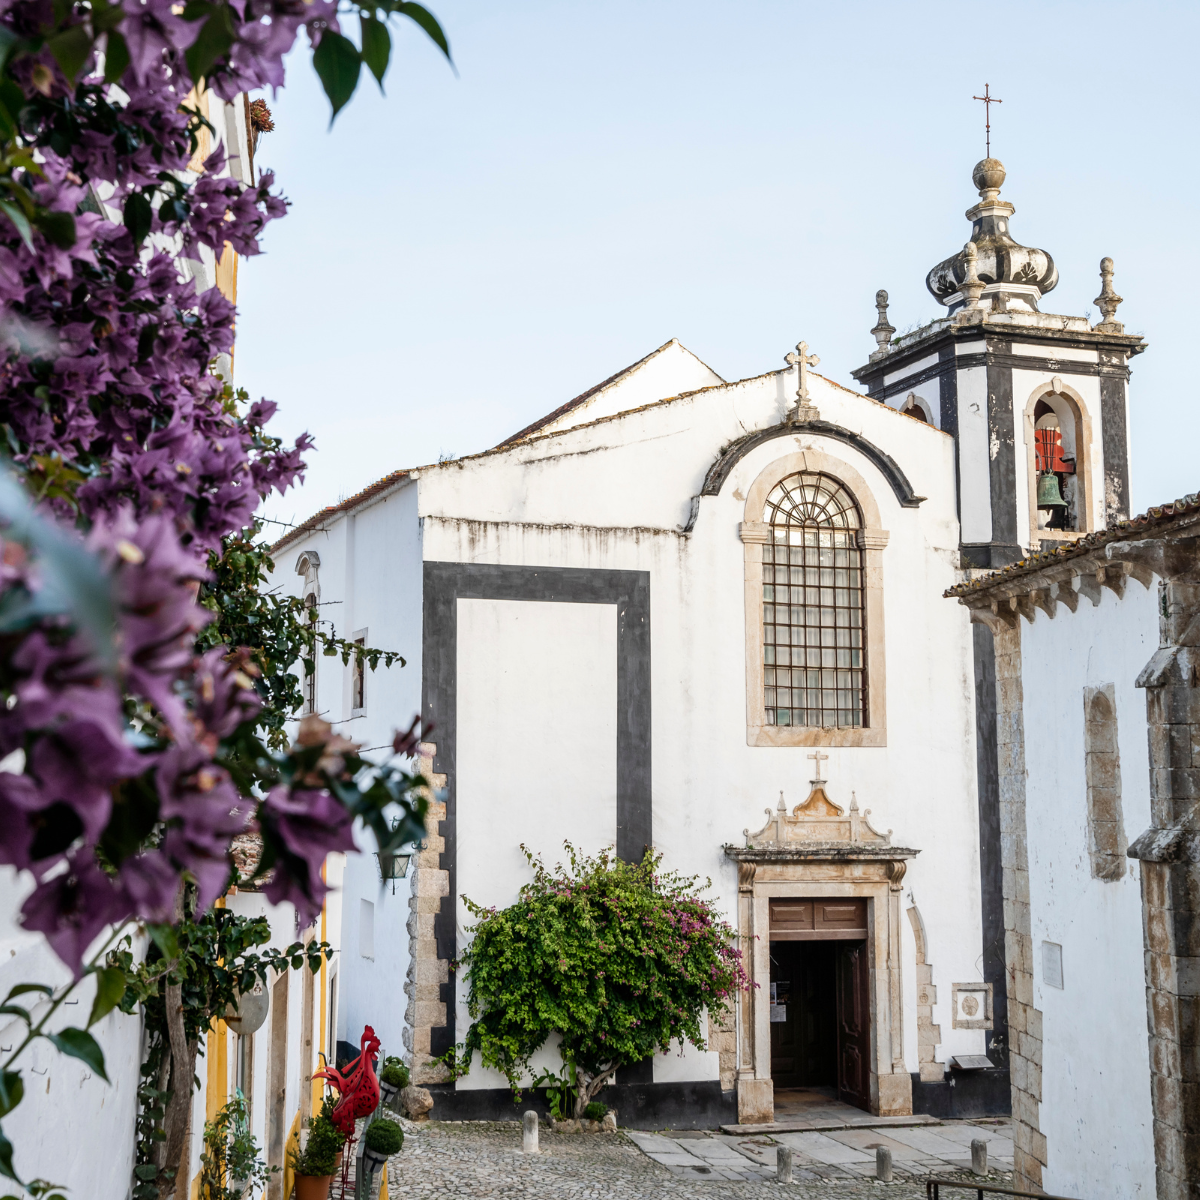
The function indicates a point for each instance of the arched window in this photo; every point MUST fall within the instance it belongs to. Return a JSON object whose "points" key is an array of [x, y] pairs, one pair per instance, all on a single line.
{"points": [[1055, 466], [814, 645]]}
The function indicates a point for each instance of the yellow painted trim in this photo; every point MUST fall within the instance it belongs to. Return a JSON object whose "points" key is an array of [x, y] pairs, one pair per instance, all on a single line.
{"points": [[318, 1085], [293, 1139], [383, 1192]]}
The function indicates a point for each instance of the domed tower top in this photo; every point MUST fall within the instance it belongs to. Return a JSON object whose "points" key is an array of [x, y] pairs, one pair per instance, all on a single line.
{"points": [[1014, 276]]}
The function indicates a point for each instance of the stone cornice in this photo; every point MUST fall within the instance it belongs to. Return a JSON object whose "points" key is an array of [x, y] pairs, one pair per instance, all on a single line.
{"points": [[1163, 542]]}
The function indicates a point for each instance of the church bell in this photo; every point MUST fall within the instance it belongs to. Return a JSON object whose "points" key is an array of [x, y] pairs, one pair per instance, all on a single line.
{"points": [[1048, 493]]}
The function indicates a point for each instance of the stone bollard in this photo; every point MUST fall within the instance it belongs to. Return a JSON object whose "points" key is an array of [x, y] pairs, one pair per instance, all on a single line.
{"points": [[783, 1165], [979, 1156], [530, 1140], [883, 1165]]}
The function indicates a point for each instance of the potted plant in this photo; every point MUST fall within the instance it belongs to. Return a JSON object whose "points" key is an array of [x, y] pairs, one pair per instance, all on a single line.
{"points": [[230, 1167], [323, 1127], [382, 1139], [393, 1079], [316, 1165]]}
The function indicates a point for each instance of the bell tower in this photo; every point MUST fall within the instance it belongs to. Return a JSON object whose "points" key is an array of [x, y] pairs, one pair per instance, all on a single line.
{"points": [[1037, 403]]}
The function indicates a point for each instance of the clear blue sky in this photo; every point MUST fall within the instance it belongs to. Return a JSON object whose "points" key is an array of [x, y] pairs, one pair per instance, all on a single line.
{"points": [[466, 253]]}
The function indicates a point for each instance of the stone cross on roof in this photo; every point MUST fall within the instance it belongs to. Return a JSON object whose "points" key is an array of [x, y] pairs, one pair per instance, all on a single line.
{"points": [[800, 358], [819, 758]]}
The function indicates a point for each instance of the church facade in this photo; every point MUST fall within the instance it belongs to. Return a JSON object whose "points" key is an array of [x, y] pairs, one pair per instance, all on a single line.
{"points": [[708, 617]]}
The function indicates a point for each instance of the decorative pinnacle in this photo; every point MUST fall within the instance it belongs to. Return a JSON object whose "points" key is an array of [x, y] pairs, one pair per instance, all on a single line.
{"points": [[972, 287], [882, 333], [1108, 300], [800, 358]]}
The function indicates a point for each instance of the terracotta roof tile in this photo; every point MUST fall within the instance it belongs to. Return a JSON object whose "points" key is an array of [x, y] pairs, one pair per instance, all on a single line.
{"points": [[1151, 519]]}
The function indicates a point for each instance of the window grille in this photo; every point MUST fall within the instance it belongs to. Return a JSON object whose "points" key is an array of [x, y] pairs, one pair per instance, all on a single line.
{"points": [[310, 679], [814, 646], [358, 682]]}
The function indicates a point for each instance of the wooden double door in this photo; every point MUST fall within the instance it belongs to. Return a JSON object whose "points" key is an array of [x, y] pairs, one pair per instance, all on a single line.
{"points": [[820, 1003]]}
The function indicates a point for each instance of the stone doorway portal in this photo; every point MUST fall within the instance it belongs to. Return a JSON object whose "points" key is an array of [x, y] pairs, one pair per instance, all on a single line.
{"points": [[819, 904]]}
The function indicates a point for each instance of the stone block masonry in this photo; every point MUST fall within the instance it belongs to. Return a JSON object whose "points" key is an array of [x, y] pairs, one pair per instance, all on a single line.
{"points": [[1170, 868], [1024, 1021], [428, 974]]}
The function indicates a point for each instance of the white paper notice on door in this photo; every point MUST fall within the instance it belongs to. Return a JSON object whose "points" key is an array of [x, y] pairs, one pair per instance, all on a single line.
{"points": [[779, 1013]]}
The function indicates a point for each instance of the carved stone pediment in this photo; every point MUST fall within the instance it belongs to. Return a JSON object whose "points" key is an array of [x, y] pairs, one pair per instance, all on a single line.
{"points": [[817, 821]]}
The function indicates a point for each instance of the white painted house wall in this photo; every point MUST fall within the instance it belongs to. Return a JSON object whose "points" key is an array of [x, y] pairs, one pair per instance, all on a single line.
{"points": [[71, 1128], [1096, 1103]]}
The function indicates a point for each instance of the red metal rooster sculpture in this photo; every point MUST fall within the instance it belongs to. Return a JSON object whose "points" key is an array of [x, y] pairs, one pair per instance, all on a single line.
{"points": [[357, 1086]]}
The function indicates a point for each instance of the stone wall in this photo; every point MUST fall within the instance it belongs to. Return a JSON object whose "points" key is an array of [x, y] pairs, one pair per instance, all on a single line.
{"points": [[722, 1037], [1170, 853], [929, 1035], [1024, 1021], [427, 973]]}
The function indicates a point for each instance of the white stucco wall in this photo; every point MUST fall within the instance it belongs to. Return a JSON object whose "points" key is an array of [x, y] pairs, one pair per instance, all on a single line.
{"points": [[1096, 1105], [71, 1128]]}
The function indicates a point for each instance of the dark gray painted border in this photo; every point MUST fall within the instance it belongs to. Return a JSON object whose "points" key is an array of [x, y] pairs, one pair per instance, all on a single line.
{"points": [[991, 877], [964, 1095], [736, 451], [445, 583], [1017, 361], [1002, 443], [948, 416], [697, 1105], [1116, 448]]}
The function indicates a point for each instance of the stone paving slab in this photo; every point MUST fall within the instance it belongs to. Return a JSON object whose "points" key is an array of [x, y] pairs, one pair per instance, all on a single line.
{"points": [[483, 1161]]}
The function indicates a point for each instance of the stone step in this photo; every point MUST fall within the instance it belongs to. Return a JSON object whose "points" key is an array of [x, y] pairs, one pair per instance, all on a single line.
{"points": [[824, 1125]]}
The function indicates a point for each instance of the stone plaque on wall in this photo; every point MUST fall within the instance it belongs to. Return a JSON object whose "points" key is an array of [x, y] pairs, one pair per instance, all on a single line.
{"points": [[972, 1005]]}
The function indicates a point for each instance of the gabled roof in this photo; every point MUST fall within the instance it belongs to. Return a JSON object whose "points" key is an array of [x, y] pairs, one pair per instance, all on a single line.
{"points": [[622, 377]]}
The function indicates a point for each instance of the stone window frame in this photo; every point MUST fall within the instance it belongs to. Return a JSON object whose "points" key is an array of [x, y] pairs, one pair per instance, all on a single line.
{"points": [[1102, 773], [1065, 401], [308, 566], [357, 676], [872, 538]]}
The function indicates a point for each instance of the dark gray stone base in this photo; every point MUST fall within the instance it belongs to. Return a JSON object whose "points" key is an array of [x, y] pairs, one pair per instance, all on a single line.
{"points": [[697, 1105], [965, 1094]]}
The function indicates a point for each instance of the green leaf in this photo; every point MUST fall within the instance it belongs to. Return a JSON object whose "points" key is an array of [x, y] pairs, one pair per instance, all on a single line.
{"points": [[12, 1088], [20, 220], [428, 22], [14, 1010], [110, 987], [213, 41], [59, 228], [376, 47], [138, 216], [8, 40], [71, 49], [337, 64], [116, 56], [6, 1153], [165, 938], [22, 988], [78, 1043], [145, 1170]]}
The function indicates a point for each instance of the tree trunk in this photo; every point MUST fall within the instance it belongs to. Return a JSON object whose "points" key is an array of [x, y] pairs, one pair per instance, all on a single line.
{"points": [[588, 1086], [183, 1070]]}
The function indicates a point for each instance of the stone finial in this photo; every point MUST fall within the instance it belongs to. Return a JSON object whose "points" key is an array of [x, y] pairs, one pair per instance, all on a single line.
{"points": [[1108, 300], [804, 409], [972, 286], [988, 177], [883, 331]]}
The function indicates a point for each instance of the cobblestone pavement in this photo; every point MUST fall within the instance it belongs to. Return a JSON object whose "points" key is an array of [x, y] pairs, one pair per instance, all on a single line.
{"points": [[484, 1159]]}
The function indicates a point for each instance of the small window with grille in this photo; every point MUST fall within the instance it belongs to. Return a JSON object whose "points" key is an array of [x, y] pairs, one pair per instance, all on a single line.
{"points": [[814, 643], [310, 679], [358, 681]]}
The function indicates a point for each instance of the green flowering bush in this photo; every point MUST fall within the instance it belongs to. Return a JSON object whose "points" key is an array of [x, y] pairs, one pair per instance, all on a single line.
{"points": [[619, 959]]}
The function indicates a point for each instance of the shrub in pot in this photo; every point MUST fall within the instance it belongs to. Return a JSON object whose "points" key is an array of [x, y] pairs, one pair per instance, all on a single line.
{"points": [[393, 1079], [382, 1139], [316, 1165]]}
